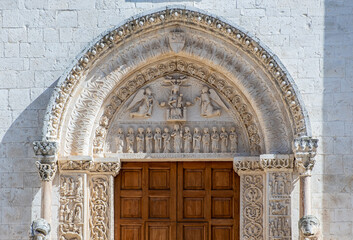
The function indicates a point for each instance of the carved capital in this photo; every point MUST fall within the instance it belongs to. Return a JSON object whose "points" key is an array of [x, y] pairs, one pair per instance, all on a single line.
{"points": [[46, 170], [309, 228], [304, 149], [40, 229], [45, 150]]}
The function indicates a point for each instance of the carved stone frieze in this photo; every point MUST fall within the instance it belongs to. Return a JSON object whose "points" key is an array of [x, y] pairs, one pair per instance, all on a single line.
{"points": [[276, 162], [304, 149], [243, 166], [90, 166], [46, 170], [44, 148], [252, 206], [71, 211], [99, 207]]}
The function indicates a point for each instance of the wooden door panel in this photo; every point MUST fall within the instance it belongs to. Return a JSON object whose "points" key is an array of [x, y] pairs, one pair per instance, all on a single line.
{"points": [[199, 199], [193, 231], [131, 232], [221, 232], [160, 231]]}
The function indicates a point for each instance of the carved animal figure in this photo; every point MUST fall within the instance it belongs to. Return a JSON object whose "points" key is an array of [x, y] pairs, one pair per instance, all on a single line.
{"points": [[40, 229]]}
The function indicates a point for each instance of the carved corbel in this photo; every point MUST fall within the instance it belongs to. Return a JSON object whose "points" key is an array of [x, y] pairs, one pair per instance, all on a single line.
{"points": [[304, 149]]}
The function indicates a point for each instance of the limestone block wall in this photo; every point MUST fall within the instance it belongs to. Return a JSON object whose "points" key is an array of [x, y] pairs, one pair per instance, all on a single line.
{"points": [[313, 38]]}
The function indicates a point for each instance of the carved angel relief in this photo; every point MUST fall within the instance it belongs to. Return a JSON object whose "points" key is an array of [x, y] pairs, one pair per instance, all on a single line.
{"points": [[210, 103], [142, 104]]}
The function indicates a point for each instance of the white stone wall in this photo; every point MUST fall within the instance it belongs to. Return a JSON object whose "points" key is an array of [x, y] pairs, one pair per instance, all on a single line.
{"points": [[313, 38]]}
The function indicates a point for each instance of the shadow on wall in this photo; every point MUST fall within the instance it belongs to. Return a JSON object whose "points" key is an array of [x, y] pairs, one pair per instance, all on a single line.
{"points": [[20, 183], [337, 115]]}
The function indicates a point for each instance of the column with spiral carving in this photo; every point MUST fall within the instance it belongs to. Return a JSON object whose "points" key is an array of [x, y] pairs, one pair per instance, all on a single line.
{"points": [[304, 150], [45, 152]]}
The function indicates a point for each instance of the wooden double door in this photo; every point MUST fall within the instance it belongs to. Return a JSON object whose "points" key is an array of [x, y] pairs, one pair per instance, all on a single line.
{"points": [[184, 201]]}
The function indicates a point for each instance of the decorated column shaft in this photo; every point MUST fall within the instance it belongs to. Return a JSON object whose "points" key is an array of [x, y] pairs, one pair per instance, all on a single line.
{"points": [[304, 149], [46, 164]]}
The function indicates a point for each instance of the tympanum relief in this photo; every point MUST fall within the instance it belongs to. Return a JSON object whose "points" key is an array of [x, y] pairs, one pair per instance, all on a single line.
{"points": [[176, 114]]}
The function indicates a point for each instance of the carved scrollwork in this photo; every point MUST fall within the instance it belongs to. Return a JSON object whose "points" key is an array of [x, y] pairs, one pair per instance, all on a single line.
{"points": [[252, 200]]}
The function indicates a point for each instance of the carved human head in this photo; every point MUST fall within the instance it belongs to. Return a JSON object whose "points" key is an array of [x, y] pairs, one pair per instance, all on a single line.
{"points": [[140, 130], [120, 130], [214, 129], [176, 127], [232, 129], [149, 130], [204, 89], [40, 229], [187, 129], [223, 129], [131, 130], [205, 130], [148, 91], [309, 226], [166, 129], [158, 130], [196, 130]]}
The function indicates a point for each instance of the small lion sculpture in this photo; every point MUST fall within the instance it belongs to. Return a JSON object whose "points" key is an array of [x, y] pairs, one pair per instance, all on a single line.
{"points": [[40, 229], [309, 227]]}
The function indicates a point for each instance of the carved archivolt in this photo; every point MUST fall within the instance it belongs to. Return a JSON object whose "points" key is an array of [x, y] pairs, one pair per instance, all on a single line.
{"points": [[152, 22]]}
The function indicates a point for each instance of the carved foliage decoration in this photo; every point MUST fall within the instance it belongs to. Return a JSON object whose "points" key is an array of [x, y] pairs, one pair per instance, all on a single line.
{"points": [[160, 19], [191, 69], [99, 207], [280, 188], [71, 207], [252, 202]]}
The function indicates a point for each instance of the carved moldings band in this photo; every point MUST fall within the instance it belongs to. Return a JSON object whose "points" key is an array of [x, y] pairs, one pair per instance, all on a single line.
{"points": [[262, 163], [112, 168], [46, 171]]}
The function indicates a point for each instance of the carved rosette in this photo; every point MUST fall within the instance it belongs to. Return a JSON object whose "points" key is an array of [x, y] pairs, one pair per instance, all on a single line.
{"points": [[304, 149], [252, 206], [99, 207], [71, 211], [46, 170]]}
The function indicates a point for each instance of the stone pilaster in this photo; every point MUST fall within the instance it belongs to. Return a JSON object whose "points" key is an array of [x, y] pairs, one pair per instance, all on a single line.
{"points": [[304, 150], [278, 169], [252, 197]]}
